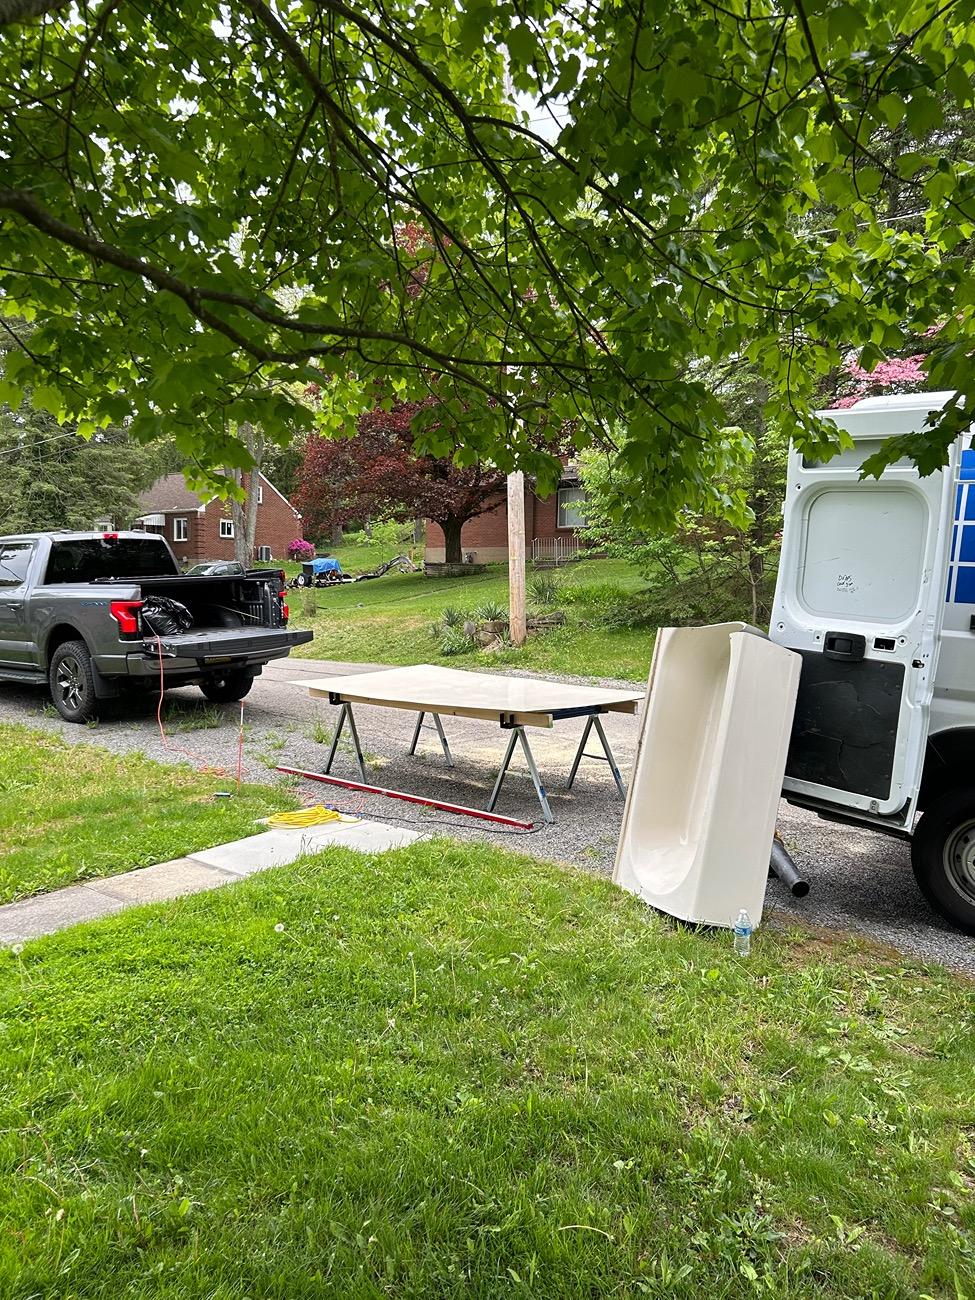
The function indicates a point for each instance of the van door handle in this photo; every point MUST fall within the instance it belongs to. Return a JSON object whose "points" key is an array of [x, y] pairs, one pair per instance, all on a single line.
{"points": [[847, 646]]}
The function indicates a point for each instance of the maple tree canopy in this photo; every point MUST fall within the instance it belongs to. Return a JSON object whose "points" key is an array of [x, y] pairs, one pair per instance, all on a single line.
{"points": [[205, 207]]}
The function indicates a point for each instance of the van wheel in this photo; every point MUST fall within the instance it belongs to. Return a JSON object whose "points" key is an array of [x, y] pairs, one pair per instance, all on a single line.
{"points": [[943, 857], [71, 679], [232, 686]]}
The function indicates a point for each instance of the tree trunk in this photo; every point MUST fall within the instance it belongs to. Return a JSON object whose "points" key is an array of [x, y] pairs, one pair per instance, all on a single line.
{"points": [[756, 571], [244, 513], [451, 535], [336, 531]]}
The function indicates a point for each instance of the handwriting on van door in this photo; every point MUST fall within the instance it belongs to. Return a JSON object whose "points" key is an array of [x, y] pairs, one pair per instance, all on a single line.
{"points": [[844, 582]]}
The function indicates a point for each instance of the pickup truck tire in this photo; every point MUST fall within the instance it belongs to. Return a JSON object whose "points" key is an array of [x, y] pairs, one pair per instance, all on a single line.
{"points": [[71, 678], [232, 686], [943, 856]]}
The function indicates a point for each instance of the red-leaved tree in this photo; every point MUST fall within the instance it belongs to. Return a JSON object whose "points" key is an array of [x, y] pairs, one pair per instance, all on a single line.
{"points": [[378, 473]]}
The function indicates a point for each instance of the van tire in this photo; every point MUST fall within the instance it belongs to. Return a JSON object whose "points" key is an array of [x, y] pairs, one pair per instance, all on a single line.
{"points": [[229, 688], [71, 679], [943, 856]]}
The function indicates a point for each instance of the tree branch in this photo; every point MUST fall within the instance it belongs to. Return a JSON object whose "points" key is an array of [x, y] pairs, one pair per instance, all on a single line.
{"points": [[20, 11]]}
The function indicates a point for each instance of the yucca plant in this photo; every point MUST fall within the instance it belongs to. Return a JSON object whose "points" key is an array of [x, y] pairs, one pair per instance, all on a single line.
{"points": [[545, 589], [491, 611]]}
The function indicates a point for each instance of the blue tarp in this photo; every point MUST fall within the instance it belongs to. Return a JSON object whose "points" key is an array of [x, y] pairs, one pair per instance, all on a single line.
{"points": [[325, 565]]}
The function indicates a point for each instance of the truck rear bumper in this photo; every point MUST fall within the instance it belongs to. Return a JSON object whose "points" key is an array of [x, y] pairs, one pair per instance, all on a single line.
{"points": [[191, 656]]}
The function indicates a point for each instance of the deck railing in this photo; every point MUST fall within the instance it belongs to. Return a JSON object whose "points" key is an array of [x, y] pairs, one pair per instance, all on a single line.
{"points": [[555, 550]]}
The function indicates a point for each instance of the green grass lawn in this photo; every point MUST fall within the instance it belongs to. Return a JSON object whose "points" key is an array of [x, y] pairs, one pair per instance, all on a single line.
{"points": [[70, 813], [454, 1072], [388, 621]]}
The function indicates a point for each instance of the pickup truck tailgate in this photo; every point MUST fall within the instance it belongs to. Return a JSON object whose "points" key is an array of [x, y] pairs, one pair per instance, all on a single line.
{"points": [[224, 645]]}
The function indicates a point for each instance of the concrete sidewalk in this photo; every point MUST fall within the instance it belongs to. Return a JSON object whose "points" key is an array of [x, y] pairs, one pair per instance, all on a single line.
{"points": [[207, 869]]}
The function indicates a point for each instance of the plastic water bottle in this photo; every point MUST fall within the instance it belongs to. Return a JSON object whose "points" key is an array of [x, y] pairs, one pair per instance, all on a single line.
{"points": [[743, 934]]}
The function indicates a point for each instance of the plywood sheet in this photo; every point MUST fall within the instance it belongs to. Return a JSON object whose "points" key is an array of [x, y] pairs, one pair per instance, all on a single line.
{"points": [[451, 691]]}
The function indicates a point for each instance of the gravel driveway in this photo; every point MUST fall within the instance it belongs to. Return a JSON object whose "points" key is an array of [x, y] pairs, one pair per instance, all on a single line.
{"points": [[859, 880]]}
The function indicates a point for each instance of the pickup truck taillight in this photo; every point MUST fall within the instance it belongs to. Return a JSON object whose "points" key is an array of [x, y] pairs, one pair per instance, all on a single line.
{"points": [[285, 611], [126, 615]]}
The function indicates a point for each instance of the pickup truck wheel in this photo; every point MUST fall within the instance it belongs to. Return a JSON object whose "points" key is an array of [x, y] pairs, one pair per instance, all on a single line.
{"points": [[232, 686], [71, 679], [943, 857]]}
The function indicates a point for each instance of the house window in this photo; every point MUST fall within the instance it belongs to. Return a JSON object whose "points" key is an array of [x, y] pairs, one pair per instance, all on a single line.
{"points": [[226, 528], [264, 554], [570, 513], [181, 530], [260, 496]]}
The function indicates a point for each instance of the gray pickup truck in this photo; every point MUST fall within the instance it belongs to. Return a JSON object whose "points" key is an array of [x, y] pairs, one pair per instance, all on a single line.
{"points": [[95, 614]]}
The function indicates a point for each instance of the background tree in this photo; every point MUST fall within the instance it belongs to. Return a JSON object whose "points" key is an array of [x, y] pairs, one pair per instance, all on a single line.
{"points": [[198, 203], [53, 478], [706, 569], [326, 492], [378, 472]]}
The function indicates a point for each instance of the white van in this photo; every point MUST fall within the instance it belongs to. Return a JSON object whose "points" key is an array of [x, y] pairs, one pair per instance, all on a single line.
{"points": [[876, 592]]}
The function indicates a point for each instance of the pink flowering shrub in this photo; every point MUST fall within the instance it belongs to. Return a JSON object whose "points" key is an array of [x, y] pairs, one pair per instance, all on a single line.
{"points": [[300, 550], [899, 375]]}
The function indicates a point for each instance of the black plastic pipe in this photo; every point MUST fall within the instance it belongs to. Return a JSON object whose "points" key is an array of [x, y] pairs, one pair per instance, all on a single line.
{"points": [[781, 865]]}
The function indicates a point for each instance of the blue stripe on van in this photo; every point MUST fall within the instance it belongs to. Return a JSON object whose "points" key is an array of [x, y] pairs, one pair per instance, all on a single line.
{"points": [[961, 580]]}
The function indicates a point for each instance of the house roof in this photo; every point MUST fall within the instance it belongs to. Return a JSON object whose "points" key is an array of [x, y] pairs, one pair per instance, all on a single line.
{"points": [[171, 493], [168, 493]]}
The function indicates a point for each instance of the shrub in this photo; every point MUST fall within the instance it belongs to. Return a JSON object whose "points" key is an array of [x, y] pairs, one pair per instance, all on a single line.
{"points": [[627, 612], [696, 600], [593, 593], [455, 641], [452, 617], [300, 550], [490, 612], [545, 589]]}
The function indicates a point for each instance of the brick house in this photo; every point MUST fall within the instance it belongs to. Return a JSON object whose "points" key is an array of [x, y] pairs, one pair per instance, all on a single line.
{"points": [[199, 529], [551, 527]]}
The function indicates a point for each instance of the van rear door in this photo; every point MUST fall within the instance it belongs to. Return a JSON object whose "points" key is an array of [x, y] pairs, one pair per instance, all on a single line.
{"points": [[860, 596]]}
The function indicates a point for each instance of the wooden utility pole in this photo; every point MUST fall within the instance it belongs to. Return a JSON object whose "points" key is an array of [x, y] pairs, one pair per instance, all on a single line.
{"points": [[516, 558]]}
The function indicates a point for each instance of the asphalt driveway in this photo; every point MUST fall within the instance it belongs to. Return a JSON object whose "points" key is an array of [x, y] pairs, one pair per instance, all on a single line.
{"points": [[859, 881]]}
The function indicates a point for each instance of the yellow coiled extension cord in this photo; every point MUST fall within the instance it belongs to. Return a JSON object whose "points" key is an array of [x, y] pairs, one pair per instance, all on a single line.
{"points": [[317, 816]]}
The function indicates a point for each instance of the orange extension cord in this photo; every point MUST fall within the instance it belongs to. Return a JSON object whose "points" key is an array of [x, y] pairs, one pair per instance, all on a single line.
{"points": [[199, 762]]}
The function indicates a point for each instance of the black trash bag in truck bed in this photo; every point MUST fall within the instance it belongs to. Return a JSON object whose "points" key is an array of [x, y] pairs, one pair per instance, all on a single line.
{"points": [[165, 617]]}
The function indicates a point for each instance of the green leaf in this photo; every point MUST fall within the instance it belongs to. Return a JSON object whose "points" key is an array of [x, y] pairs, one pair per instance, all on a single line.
{"points": [[568, 76], [11, 393], [47, 398], [892, 108], [923, 112], [959, 84], [521, 43], [871, 356], [868, 180], [844, 23]]}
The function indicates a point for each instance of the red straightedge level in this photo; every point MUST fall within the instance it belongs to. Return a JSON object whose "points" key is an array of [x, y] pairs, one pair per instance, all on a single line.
{"points": [[409, 798]]}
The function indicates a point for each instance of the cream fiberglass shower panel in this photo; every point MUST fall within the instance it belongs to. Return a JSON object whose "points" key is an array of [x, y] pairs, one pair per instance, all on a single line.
{"points": [[700, 811]]}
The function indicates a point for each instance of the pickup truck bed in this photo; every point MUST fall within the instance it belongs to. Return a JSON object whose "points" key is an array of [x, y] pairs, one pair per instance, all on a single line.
{"points": [[71, 616]]}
